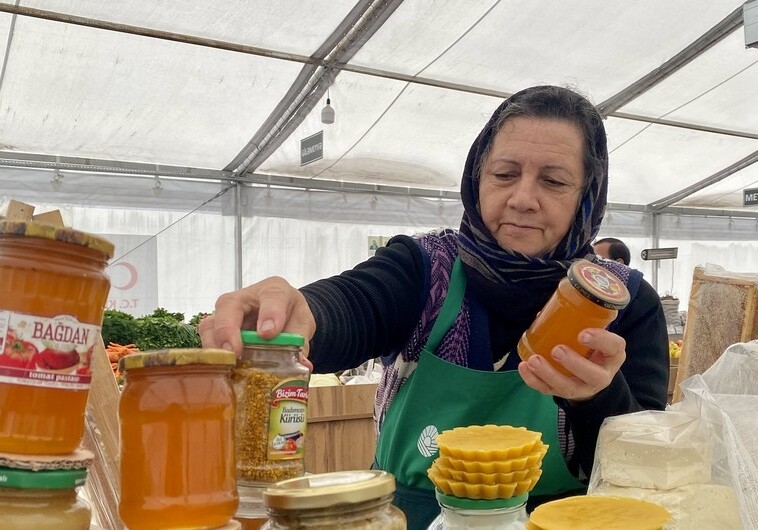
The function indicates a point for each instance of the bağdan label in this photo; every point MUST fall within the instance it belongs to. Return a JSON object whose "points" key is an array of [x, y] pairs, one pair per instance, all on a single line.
{"points": [[50, 352]]}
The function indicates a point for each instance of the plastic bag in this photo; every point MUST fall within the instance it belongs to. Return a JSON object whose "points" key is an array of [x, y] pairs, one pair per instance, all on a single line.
{"points": [[653, 454], [368, 372], [726, 396]]}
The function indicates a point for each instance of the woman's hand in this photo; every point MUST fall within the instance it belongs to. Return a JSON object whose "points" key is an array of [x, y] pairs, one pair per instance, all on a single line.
{"points": [[271, 306], [590, 375]]}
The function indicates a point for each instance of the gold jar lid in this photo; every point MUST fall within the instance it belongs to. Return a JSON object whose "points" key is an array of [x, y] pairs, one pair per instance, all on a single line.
{"points": [[57, 233], [329, 489], [177, 357]]}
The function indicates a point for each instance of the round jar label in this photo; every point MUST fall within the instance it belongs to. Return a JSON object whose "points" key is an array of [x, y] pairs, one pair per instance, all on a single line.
{"points": [[598, 284]]}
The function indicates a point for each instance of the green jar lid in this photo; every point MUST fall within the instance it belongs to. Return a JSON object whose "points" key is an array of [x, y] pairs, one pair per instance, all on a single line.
{"points": [[598, 284], [283, 339], [462, 503], [177, 357], [57, 233], [56, 479]]}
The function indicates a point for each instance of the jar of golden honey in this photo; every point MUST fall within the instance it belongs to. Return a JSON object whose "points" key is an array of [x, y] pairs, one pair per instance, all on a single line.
{"points": [[589, 297], [176, 416], [271, 386], [53, 291], [43, 500], [354, 500]]}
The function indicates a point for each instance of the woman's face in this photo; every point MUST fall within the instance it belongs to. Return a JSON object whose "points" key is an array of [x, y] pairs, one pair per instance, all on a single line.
{"points": [[531, 183]]}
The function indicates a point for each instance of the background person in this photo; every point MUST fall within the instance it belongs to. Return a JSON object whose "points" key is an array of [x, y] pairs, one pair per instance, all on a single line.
{"points": [[613, 249], [445, 310]]}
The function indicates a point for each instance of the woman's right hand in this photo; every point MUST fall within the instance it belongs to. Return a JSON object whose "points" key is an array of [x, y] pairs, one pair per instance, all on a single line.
{"points": [[271, 306]]}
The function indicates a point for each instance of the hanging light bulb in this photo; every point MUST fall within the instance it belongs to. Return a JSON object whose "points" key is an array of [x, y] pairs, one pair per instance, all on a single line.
{"points": [[327, 113]]}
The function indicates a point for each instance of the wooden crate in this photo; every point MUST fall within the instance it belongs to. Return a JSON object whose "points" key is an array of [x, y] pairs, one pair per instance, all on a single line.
{"points": [[340, 432], [722, 311]]}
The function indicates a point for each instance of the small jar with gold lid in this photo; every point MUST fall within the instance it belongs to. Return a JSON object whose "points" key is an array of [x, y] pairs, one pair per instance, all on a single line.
{"points": [[355, 500]]}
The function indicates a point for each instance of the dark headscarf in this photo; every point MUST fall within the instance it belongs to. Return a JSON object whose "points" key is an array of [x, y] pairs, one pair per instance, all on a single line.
{"points": [[512, 276]]}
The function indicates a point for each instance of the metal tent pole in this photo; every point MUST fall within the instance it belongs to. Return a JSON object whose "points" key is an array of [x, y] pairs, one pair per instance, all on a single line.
{"points": [[237, 235]]}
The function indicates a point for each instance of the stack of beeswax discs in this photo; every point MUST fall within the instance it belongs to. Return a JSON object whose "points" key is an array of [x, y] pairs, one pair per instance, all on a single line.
{"points": [[488, 461]]}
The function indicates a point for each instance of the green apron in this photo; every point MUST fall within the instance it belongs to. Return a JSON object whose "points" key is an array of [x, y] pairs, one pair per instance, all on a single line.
{"points": [[440, 395]]}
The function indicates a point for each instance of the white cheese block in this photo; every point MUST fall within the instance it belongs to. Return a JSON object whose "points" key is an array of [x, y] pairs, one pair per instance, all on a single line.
{"points": [[692, 507], [654, 449]]}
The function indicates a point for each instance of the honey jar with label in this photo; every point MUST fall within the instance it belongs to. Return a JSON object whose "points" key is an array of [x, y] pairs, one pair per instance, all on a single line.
{"points": [[590, 296], [53, 290]]}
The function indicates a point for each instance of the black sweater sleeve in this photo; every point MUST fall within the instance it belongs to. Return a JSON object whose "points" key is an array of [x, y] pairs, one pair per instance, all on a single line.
{"points": [[368, 311], [642, 382]]}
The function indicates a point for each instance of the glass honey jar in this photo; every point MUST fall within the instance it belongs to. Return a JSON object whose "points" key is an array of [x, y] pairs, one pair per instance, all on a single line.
{"points": [[176, 416], [354, 500], [590, 296], [53, 290]]}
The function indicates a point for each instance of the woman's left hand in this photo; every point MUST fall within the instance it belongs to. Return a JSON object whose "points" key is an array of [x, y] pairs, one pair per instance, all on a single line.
{"points": [[590, 375]]}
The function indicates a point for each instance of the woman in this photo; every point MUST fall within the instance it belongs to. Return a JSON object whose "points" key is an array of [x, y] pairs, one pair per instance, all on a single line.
{"points": [[445, 310]]}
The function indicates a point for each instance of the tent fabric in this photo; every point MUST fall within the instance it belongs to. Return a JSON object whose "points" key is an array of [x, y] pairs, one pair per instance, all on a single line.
{"points": [[72, 90], [166, 114]]}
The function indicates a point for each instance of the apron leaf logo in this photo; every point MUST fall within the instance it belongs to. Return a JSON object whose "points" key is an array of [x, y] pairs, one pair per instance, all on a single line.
{"points": [[427, 442]]}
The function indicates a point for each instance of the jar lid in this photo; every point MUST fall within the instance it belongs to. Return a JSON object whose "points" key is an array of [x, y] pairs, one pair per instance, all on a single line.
{"points": [[463, 503], [177, 357], [57, 233], [46, 479], [283, 339], [329, 489], [598, 284]]}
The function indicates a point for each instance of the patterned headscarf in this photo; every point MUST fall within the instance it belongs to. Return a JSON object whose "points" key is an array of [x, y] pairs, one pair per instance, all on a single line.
{"points": [[488, 263]]}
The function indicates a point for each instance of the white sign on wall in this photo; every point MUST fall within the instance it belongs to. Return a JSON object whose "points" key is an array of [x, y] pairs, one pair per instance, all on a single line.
{"points": [[133, 272]]}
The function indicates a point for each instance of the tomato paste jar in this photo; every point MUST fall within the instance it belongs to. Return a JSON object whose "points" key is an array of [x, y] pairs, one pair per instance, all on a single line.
{"points": [[53, 291], [43, 500], [271, 386], [176, 416], [589, 297]]}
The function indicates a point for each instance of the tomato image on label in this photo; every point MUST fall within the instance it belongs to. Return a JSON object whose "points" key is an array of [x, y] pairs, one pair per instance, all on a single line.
{"points": [[18, 353], [50, 359], [290, 445]]}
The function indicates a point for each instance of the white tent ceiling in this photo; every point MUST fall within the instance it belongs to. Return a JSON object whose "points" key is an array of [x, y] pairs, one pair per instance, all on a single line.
{"points": [[226, 90]]}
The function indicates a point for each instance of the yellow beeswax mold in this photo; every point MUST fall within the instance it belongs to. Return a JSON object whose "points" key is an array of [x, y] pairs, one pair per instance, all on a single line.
{"points": [[599, 513], [532, 460], [482, 491], [488, 442], [484, 478]]}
